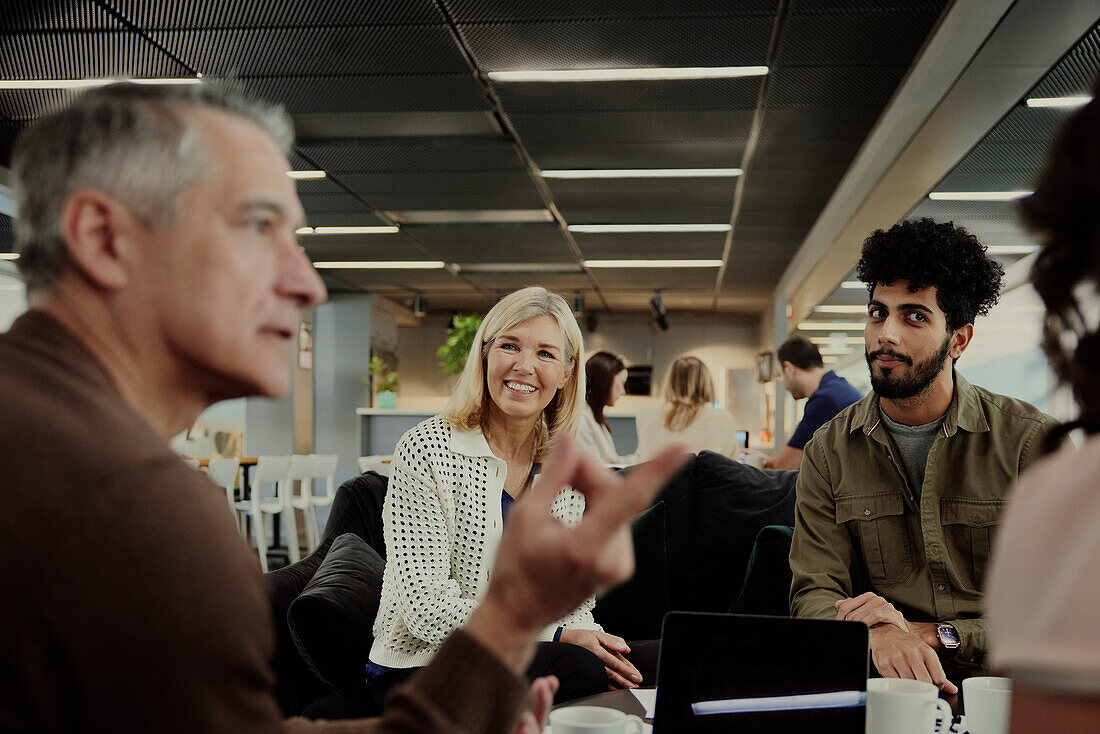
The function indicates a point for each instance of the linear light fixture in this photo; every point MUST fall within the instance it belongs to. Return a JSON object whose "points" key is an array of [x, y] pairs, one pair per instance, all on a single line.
{"points": [[841, 309], [85, 83], [611, 228], [1011, 249], [979, 195], [854, 285], [827, 340], [652, 263], [837, 350], [616, 75], [347, 230], [1072, 101], [519, 268], [831, 326], [302, 175], [9, 255], [644, 173], [379, 265]]}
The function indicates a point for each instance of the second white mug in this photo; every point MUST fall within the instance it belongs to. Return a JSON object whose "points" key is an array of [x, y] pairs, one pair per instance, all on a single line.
{"points": [[593, 720]]}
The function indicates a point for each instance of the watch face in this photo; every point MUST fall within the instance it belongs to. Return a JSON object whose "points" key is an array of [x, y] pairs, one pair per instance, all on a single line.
{"points": [[948, 636]]}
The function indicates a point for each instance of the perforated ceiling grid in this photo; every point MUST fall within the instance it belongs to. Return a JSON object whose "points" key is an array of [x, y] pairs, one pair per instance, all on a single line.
{"points": [[393, 102]]}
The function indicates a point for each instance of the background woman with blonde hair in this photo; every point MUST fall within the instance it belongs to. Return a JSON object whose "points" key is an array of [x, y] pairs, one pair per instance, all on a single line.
{"points": [[454, 478], [688, 415]]}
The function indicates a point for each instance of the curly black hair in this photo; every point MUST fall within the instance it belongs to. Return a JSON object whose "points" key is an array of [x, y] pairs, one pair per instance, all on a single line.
{"points": [[941, 254], [1064, 212]]}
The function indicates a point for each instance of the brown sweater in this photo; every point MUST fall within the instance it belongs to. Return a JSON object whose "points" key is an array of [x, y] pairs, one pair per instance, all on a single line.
{"points": [[132, 604]]}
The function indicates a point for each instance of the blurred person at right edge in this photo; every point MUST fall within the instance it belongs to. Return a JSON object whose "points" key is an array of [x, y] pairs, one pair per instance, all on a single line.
{"points": [[1044, 590], [899, 496]]}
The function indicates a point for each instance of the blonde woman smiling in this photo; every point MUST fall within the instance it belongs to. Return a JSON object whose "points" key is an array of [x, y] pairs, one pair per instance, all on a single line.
{"points": [[454, 478]]}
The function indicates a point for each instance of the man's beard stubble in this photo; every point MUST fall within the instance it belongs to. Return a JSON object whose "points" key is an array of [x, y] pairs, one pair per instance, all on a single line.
{"points": [[921, 376]]}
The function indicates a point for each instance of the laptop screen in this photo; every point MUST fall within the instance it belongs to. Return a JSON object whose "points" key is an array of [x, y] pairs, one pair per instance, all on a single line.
{"points": [[745, 674]]}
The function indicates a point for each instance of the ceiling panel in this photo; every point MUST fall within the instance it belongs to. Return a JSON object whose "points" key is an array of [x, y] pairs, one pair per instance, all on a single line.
{"points": [[870, 34], [399, 93], [645, 215], [558, 127], [619, 43], [66, 55], [682, 94], [21, 16], [362, 247], [331, 203], [251, 13], [598, 249], [283, 51], [502, 283], [643, 192], [415, 155], [655, 278], [699, 153], [439, 182], [465, 11], [540, 243], [823, 87], [7, 233]]}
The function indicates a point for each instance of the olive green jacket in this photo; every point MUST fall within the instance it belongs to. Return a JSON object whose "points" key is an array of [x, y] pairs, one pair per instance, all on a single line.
{"points": [[855, 510]]}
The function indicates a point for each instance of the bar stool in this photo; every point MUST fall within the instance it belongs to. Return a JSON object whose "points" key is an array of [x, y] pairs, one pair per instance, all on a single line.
{"points": [[273, 470], [306, 470], [223, 472], [193, 463]]}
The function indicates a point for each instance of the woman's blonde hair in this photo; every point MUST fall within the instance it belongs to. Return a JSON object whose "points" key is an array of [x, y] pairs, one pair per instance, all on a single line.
{"points": [[469, 404], [688, 387]]}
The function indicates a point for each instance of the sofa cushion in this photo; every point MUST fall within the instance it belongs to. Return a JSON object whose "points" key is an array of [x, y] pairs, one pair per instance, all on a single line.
{"points": [[634, 609], [331, 621]]}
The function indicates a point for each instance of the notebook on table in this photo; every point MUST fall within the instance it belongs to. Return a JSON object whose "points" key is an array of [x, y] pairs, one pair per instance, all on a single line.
{"points": [[744, 674]]}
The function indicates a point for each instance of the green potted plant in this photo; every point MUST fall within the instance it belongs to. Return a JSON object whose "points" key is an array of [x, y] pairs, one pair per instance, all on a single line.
{"points": [[385, 382], [460, 339]]}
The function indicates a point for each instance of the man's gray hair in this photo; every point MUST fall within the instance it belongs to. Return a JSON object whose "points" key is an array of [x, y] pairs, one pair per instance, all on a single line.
{"points": [[135, 143]]}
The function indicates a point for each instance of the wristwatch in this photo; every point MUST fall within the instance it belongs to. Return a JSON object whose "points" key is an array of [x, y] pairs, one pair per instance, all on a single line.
{"points": [[949, 638]]}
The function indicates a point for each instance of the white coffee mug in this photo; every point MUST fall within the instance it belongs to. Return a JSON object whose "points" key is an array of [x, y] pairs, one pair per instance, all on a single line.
{"points": [[902, 706], [988, 704], [593, 720]]}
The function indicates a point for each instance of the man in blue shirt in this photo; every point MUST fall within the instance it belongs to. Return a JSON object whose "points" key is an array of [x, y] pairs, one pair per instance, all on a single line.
{"points": [[803, 373]]}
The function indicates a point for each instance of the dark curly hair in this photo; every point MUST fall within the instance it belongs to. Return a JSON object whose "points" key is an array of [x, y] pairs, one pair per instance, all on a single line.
{"points": [[1064, 212], [941, 254]]}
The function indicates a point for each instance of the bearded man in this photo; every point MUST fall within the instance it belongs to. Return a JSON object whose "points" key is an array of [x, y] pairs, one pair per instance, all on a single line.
{"points": [[899, 496]]}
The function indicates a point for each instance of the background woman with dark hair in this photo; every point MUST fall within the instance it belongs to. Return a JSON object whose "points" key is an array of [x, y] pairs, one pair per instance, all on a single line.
{"points": [[605, 376], [1043, 598], [688, 415]]}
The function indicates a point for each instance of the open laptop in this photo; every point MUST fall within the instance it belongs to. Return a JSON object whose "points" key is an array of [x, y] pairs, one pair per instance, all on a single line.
{"points": [[744, 674]]}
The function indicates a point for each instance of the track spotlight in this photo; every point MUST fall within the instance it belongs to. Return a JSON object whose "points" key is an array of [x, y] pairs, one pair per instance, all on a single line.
{"points": [[420, 305], [660, 313]]}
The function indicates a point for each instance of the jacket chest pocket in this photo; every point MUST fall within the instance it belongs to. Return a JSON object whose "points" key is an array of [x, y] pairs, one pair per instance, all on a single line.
{"points": [[968, 527], [879, 522]]}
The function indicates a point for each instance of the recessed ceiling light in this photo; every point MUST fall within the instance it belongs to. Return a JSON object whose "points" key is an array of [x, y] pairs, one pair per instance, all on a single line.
{"points": [[9, 255], [610, 228], [347, 230], [831, 326], [653, 263], [841, 309], [380, 265], [979, 195], [644, 173], [300, 175], [1011, 249], [1072, 101], [615, 75], [85, 83], [854, 285]]}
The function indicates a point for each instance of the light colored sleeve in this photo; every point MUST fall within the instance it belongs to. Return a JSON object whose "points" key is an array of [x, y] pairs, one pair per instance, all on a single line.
{"points": [[647, 425], [1043, 590], [418, 545]]}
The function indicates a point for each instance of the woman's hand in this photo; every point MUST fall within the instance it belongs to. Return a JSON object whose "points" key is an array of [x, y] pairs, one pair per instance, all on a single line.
{"points": [[534, 719], [609, 649]]}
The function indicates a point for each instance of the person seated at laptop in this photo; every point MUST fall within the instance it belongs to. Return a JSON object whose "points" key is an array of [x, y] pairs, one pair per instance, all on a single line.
{"points": [[157, 242], [688, 414], [1044, 593], [909, 482], [803, 373], [452, 484]]}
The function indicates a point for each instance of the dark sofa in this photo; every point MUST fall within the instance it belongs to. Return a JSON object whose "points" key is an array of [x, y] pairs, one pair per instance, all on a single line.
{"points": [[692, 548]]}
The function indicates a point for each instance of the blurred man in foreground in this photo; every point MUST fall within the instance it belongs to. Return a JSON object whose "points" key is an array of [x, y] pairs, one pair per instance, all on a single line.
{"points": [[156, 234]]}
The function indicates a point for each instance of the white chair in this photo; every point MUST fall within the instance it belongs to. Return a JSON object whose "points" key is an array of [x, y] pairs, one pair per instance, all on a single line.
{"points": [[380, 463], [223, 472], [271, 470], [308, 470], [193, 463]]}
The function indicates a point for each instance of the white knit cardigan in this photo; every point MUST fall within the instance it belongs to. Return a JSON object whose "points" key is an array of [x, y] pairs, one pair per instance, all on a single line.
{"points": [[442, 524]]}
